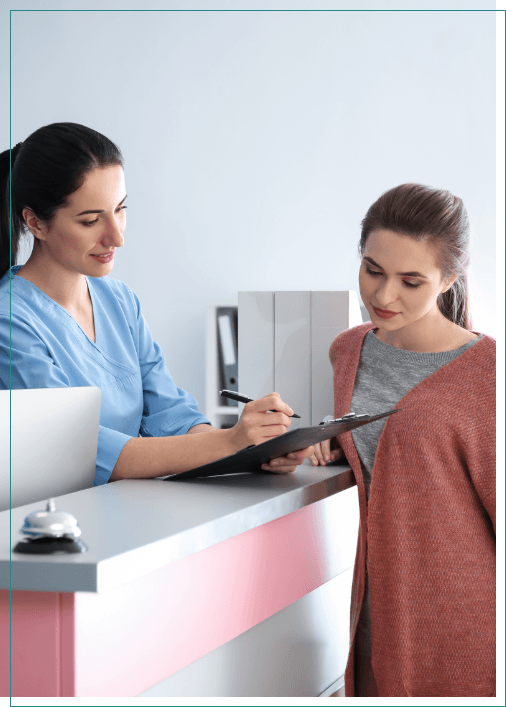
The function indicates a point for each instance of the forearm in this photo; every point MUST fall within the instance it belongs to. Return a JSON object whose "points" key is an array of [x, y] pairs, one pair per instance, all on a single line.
{"points": [[148, 457], [201, 428]]}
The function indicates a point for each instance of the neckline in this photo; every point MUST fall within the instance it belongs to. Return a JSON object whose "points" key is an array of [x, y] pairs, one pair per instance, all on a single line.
{"points": [[425, 353], [443, 358]]}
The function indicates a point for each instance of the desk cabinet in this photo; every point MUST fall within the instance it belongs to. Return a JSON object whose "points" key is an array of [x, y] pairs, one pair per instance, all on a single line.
{"points": [[264, 611]]}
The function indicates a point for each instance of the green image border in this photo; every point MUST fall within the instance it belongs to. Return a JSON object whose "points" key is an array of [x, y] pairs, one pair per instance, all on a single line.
{"points": [[501, 425]]}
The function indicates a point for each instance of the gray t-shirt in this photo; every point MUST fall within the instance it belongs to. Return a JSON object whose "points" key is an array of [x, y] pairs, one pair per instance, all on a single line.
{"points": [[384, 375]]}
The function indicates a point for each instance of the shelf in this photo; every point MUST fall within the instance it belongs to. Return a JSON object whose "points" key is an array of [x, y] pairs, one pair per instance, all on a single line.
{"points": [[217, 414]]}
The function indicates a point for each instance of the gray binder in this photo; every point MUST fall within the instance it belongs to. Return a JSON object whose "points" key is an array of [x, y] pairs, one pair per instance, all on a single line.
{"points": [[226, 321]]}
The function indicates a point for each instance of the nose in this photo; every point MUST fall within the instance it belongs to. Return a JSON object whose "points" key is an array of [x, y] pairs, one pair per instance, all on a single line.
{"points": [[386, 294], [113, 234]]}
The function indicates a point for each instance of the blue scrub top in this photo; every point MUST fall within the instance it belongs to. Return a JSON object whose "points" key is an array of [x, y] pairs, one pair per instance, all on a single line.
{"points": [[50, 350]]}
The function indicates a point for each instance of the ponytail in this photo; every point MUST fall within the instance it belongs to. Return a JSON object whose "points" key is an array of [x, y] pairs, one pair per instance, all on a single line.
{"points": [[454, 303], [10, 227]]}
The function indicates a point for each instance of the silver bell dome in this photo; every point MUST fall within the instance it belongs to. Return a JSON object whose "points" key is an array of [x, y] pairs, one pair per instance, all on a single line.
{"points": [[50, 524]]}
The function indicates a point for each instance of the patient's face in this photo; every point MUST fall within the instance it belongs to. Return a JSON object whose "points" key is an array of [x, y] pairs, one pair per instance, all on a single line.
{"points": [[388, 281]]}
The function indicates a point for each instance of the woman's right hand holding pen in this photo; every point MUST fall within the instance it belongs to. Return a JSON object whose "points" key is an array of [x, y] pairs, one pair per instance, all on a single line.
{"points": [[258, 423]]}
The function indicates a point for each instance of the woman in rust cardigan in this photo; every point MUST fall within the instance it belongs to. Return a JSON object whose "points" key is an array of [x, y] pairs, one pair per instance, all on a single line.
{"points": [[423, 597]]}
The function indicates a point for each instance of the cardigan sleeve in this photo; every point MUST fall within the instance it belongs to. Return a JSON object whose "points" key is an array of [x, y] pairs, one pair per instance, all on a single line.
{"points": [[489, 503], [481, 464], [479, 429]]}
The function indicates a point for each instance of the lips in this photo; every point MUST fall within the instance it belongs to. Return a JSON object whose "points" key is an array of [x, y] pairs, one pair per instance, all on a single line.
{"points": [[384, 313], [103, 257]]}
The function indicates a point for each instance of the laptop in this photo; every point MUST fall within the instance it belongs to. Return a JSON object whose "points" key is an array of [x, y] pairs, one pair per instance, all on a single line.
{"points": [[52, 446]]}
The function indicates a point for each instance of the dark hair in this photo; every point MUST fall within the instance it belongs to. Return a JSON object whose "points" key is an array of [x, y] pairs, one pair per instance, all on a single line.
{"points": [[45, 169], [439, 218]]}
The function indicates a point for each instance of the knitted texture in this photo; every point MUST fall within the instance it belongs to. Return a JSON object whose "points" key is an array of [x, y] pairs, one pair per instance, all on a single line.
{"points": [[429, 528]]}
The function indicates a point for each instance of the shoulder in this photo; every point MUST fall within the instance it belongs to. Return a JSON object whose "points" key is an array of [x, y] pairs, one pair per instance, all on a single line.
{"points": [[5, 292], [469, 380], [349, 340], [482, 355], [16, 300]]}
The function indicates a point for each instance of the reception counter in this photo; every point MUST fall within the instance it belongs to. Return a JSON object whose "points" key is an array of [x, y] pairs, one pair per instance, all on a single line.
{"points": [[226, 586]]}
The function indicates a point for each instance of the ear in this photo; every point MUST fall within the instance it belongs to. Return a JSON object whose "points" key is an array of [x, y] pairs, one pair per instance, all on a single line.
{"points": [[448, 284], [36, 227]]}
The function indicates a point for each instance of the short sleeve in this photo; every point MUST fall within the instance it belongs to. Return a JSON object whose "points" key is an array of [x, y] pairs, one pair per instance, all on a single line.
{"points": [[110, 445]]}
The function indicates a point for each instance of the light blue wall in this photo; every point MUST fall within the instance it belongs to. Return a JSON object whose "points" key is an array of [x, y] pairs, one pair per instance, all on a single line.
{"points": [[254, 142]]}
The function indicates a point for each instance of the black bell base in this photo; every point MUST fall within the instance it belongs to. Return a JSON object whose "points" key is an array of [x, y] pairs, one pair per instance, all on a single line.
{"points": [[50, 546]]}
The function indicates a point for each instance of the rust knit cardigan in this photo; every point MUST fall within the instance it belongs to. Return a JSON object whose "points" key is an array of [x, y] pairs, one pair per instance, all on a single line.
{"points": [[429, 528]]}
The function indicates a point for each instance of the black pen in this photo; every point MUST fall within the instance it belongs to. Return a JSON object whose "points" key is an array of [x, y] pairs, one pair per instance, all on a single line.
{"points": [[243, 399]]}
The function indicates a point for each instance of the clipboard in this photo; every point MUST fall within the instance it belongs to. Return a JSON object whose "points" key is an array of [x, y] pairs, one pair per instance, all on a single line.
{"points": [[251, 458]]}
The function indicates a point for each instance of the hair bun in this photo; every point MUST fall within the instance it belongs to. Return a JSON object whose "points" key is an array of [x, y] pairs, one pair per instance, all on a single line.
{"points": [[5, 156], [15, 151]]}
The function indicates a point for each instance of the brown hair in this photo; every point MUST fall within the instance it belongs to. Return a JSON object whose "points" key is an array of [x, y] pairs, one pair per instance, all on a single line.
{"points": [[439, 218]]}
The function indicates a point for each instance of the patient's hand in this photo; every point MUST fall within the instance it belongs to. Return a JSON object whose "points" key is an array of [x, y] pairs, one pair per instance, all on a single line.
{"points": [[325, 452], [285, 465]]}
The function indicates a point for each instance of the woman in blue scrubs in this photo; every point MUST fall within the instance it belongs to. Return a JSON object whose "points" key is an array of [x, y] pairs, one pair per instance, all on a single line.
{"points": [[63, 322]]}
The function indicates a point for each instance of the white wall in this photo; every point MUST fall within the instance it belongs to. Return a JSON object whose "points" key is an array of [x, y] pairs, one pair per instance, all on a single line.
{"points": [[254, 142]]}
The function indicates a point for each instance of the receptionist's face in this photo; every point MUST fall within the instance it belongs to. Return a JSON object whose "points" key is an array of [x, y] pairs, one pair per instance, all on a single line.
{"points": [[84, 234], [400, 275]]}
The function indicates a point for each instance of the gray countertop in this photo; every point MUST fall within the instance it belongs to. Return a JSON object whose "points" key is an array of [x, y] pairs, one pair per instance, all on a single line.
{"points": [[133, 527]]}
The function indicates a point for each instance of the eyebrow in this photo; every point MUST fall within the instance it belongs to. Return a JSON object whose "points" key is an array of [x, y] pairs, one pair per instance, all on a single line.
{"points": [[99, 211], [409, 274]]}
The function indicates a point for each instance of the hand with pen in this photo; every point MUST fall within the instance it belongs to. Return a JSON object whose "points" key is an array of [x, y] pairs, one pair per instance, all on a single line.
{"points": [[264, 419]]}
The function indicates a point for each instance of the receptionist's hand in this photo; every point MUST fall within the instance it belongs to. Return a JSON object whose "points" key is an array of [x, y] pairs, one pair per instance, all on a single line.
{"points": [[323, 454], [257, 425]]}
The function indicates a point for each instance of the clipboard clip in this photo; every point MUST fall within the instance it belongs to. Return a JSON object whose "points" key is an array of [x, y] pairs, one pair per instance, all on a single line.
{"points": [[349, 416]]}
